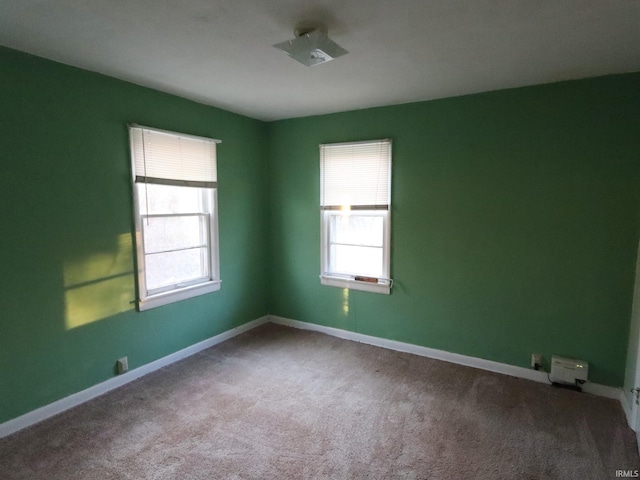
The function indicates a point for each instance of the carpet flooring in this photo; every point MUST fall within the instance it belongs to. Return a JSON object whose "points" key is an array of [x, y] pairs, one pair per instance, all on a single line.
{"points": [[280, 403]]}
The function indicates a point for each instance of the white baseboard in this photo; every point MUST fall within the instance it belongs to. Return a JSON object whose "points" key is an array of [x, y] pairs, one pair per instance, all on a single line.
{"points": [[78, 398], [520, 372], [75, 399]]}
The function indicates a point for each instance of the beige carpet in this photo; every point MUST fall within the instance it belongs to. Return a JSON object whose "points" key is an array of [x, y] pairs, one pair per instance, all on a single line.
{"points": [[279, 403]]}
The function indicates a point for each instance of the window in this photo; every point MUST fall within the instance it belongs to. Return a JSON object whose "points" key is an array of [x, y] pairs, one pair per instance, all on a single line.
{"points": [[175, 203], [355, 198]]}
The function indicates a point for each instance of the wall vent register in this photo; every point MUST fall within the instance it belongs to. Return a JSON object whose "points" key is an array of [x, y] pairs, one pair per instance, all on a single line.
{"points": [[567, 371]]}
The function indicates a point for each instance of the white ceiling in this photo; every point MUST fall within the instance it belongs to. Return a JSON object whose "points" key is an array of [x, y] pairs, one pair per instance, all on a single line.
{"points": [[219, 52]]}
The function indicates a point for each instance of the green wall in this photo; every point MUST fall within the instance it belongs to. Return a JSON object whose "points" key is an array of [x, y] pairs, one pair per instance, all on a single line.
{"points": [[515, 226], [66, 223], [514, 223]]}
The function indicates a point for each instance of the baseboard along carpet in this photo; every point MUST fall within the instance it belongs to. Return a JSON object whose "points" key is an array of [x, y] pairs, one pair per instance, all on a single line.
{"points": [[280, 403]]}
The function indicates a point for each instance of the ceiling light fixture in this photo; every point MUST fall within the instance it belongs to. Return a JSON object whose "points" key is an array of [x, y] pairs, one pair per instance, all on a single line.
{"points": [[311, 47]]}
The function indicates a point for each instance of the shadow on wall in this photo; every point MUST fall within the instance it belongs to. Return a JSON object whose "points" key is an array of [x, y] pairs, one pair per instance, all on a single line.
{"points": [[99, 285]]}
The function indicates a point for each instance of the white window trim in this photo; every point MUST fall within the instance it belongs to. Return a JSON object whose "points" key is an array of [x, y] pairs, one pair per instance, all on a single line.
{"points": [[147, 301], [384, 283], [350, 281]]}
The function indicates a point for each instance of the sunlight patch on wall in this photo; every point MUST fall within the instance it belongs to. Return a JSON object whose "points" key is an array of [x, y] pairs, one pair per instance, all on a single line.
{"points": [[345, 301], [100, 285]]}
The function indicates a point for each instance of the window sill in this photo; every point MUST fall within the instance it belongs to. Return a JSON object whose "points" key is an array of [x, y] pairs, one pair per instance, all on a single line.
{"points": [[172, 296], [355, 284]]}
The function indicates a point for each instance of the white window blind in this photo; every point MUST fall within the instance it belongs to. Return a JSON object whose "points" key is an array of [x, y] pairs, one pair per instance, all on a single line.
{"points": [[167, 158], [355, 175]]}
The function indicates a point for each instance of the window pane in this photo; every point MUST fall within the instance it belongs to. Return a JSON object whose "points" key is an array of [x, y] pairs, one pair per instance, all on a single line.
{"points": [[171, 233], [357, 229], [356, 260], [156, 199], [169, 268]]}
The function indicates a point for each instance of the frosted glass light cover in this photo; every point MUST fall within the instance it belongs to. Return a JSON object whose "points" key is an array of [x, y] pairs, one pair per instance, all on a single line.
{"points": [[312, 48]]}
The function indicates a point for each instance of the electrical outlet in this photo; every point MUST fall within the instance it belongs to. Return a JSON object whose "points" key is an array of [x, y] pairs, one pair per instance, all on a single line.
{"points": [[123, 364], [536, 360]]}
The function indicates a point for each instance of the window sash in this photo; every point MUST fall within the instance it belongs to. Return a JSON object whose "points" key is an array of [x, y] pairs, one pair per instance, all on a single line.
{"points": [[203, 246], [208, 238], [358, 280]]}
